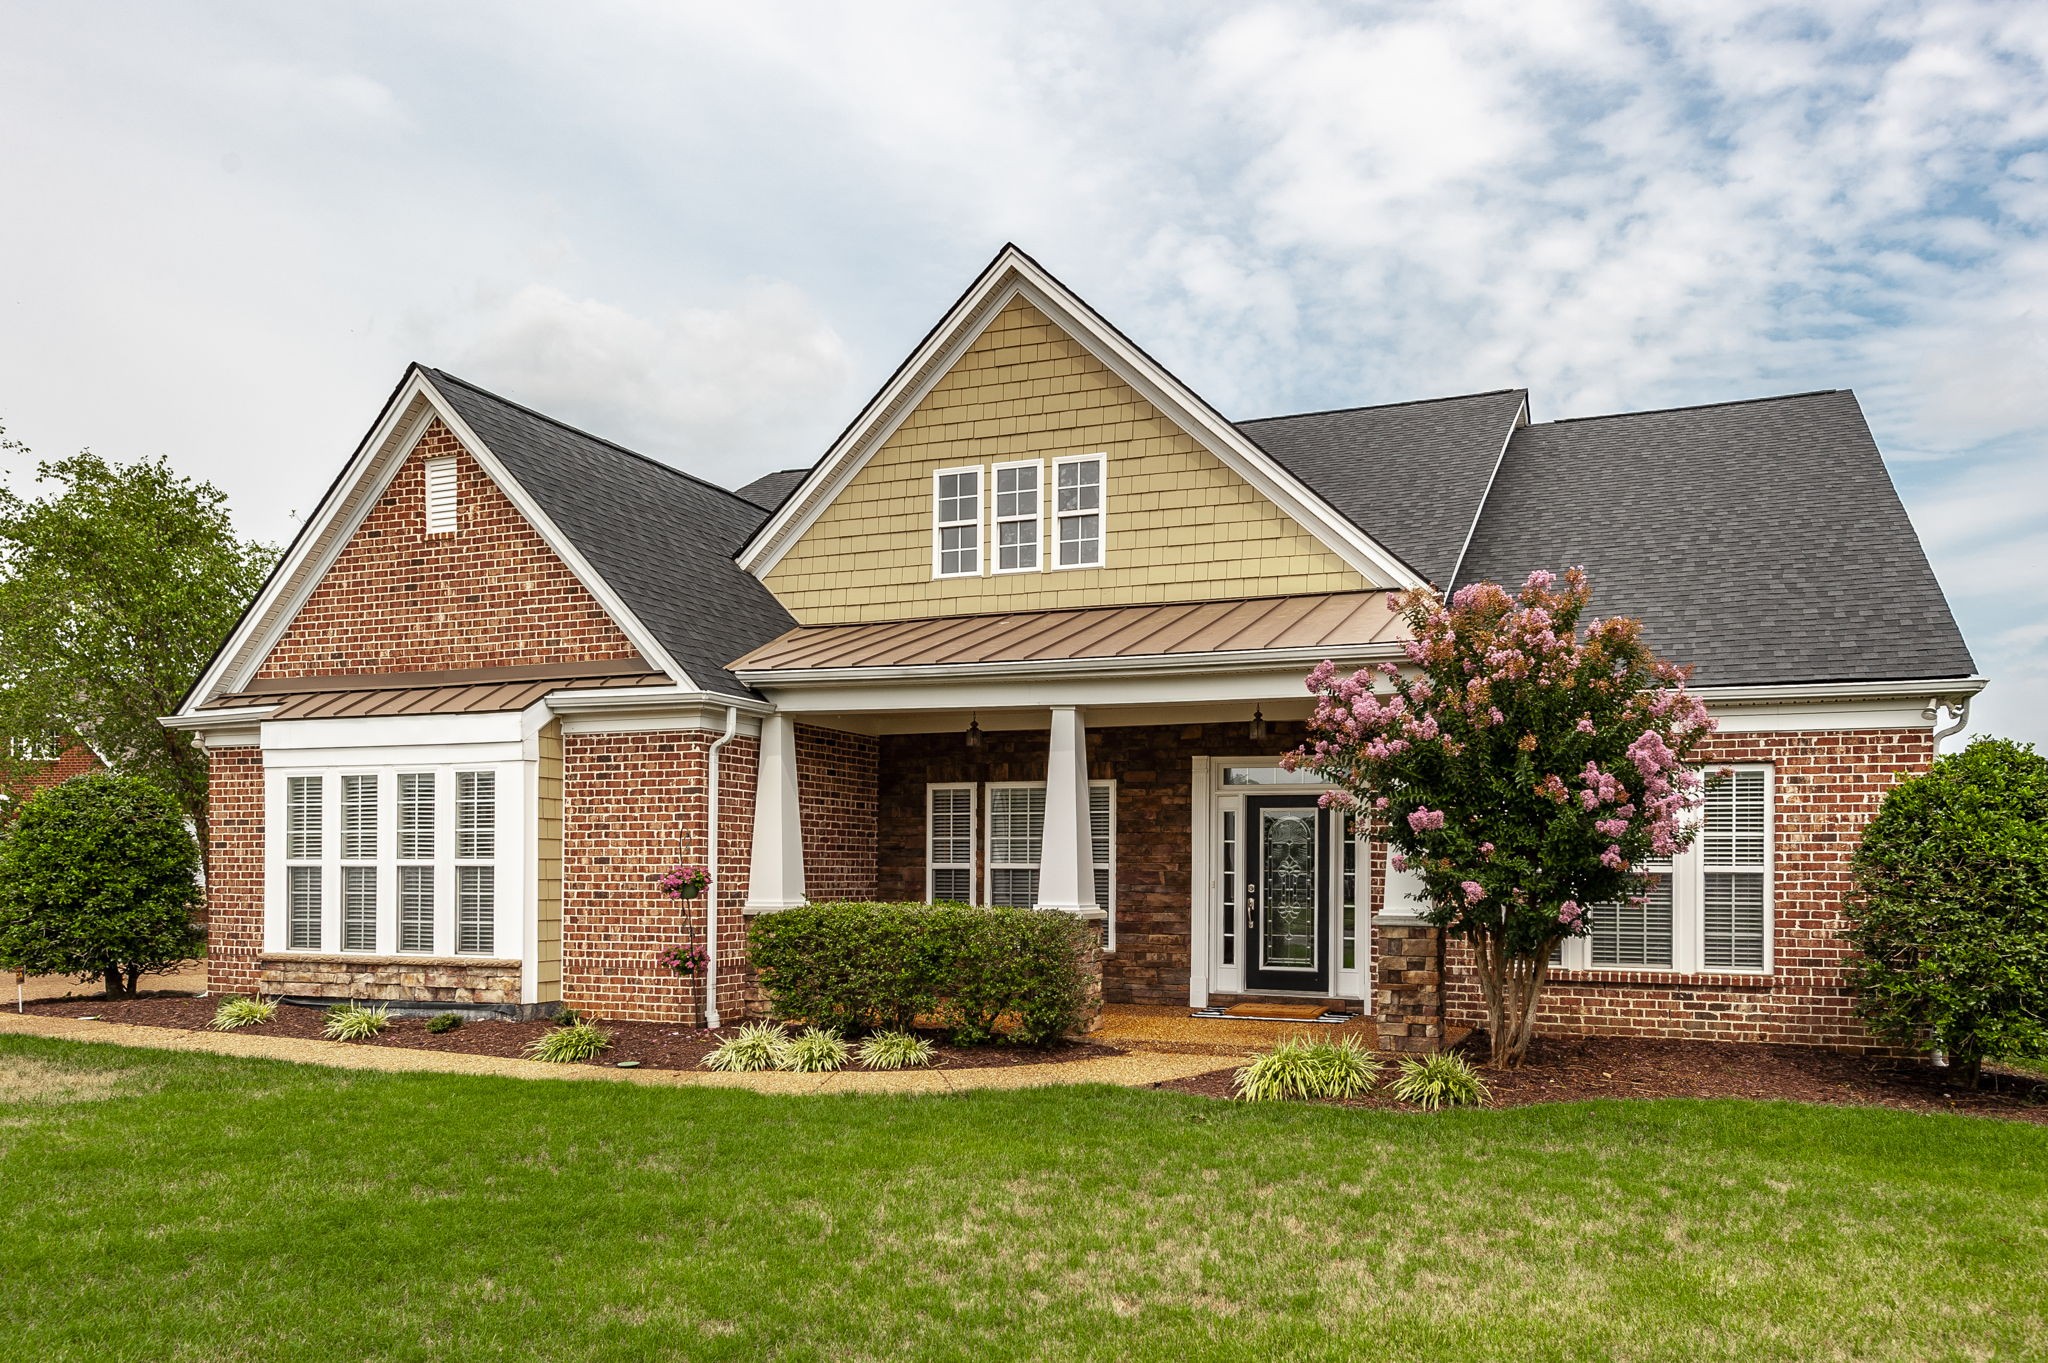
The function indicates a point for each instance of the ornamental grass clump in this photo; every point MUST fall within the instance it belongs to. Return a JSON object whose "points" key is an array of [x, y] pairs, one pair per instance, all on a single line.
{"points": [[1301, 1068], [755, 1046], [566, 1045], [236, 1011], [815, 1051], [353, 1022], [1441, 1080], [895, 1050]]}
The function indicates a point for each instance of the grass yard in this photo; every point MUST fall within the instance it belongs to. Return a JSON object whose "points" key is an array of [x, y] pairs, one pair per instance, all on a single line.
{"points": [[164, 1206]]}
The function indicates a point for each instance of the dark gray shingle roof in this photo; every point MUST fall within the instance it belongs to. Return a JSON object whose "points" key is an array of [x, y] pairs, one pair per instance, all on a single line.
{"points": [[1761, 541], [1411, 475], [771, 490], [661, 538]]}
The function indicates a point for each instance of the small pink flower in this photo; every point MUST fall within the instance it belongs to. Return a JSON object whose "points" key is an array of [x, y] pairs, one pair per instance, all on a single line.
{"points": [[1474, 891], [1568, 912], [1485, 849], [1425, 820], [1398, 862]]}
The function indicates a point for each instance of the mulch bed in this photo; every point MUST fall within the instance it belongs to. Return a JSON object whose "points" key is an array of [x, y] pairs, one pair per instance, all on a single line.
{"points": [[656, 1045], [1571, 1069]]}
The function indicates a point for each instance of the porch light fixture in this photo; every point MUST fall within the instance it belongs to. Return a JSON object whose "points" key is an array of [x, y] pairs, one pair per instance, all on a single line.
{"points": [[1258, 725], [973, 733]]}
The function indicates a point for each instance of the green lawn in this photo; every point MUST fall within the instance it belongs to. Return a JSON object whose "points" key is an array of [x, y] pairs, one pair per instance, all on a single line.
{"points": [[197, 1207]]}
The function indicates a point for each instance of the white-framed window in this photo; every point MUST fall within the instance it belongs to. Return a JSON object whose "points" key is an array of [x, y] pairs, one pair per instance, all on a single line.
{"points": [[1016, 839], [949, 843], [403, 859], [1709, 907], [35, 749], [1019, 523], [1078, 510], [956, 522], [440, 484]]}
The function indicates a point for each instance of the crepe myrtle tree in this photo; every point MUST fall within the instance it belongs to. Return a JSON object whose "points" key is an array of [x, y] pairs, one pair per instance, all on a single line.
{"points": [[1524, 764]]}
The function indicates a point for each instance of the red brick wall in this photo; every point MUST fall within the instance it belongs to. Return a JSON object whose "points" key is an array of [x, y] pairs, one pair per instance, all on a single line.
{"points": [[1828, 786], [633, 805], [234, 878], [835, 775], [75, 760], [400, 600]]}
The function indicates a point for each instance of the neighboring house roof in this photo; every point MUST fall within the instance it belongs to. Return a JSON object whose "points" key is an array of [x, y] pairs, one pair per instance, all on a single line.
{"points": [[1412, 475], [770, 490], [1335, 621], [662, 539], [1760, 541]]}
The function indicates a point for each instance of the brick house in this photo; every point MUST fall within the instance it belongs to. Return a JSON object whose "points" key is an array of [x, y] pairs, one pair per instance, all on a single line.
{"points": [[34, 768], [1032, 631]]}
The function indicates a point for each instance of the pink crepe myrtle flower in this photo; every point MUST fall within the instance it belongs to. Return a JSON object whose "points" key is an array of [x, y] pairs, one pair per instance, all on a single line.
{"points": [[1569, 913], [1474, 891], [1425, 820], [1485, 849], [1398, 862], [1611, 858]]}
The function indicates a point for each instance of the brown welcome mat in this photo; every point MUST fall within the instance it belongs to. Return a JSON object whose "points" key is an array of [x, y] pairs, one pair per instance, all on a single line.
{"points": [[1275, 1012]]}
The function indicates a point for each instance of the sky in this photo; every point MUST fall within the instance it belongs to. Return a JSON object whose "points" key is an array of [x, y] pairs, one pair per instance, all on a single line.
{"points": [[710, 231]]}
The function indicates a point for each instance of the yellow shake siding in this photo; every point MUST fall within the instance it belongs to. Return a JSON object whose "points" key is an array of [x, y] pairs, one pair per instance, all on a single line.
{"points": [[1180, 525]]}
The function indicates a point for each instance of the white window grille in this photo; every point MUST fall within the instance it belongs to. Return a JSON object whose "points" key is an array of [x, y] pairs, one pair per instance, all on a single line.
{"points": [[956, 522], [1078, 510], [1017, 516]]}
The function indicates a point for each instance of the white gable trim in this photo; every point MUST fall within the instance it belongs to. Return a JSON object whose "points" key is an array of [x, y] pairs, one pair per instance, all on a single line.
{"points": [[1014, 274], [341, 514]]}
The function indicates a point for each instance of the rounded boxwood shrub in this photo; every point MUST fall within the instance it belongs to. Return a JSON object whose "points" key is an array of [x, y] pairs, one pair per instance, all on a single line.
{"points": [[977, 974], [98, 879]]}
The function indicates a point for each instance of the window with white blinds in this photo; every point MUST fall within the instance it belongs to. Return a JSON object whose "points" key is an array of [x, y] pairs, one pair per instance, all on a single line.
{"points": [[440, 481], [1102, 834], [949, 843], [1709, 908], [1016, 837], [389, 860]]}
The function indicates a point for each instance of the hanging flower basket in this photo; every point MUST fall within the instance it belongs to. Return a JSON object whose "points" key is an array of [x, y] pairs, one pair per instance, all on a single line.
{"points": [[684, 882], [683, 962]]}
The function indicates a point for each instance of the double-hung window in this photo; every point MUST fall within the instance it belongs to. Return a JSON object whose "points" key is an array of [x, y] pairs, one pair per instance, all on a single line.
{"points": [[305, 830], [1078, 510], [949, 843], [1016, 839], [359, 862], [417, 825], [956, 522], [1017, 520], [476, 872], [1015, 842]]}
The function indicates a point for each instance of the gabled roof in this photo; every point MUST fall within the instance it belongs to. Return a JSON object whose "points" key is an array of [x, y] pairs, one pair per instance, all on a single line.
{"points": [[1412, 475], [662, 539], [1761, 541], [771, 490]]}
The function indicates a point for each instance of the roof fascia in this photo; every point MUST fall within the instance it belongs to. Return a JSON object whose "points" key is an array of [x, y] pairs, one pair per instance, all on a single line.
{"points": [[1143, 665], [1010, 275], [1521, 420], [363, 481]]}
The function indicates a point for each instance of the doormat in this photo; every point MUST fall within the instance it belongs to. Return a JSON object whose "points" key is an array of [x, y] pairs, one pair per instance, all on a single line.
{"points": [[1274, 1012]]}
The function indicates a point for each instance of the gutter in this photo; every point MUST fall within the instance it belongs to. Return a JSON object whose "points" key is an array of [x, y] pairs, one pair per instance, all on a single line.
{"points": [[732, 726], [1844, 690]]}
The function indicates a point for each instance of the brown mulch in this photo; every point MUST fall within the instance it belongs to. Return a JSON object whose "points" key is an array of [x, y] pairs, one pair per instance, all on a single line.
{"points": [[1573, 1069], [656, 1045]]}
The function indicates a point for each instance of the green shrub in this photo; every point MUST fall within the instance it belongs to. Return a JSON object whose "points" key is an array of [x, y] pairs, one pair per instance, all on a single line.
{"points": [[352, 1022], [755, 1046], [98, 879], [568, 1017], [1950, 908], [235, 1011], [979, 974], [1441, 1080], [441, 1023], [565, 1045], [814, 1051], [895, 1050], [1301, 1068]]}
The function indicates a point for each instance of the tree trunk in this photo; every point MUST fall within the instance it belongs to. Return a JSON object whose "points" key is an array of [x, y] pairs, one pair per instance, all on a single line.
{"points": [[134, 980], [1512, 987], [114, 983]]}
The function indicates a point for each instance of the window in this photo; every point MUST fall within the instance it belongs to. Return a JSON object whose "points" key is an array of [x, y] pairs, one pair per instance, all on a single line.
{"points": [[1077, 511], [1016, 835], [956, 523], [416, 816], [1017, 516], [416, 819], [949, 845], [1102, 838], [1230, 879], [476, 909], [305, 901], [303, 907], [1347, 851], [416, 908], [440, 479], [302, 818], [1708, 908], [35, 749]]}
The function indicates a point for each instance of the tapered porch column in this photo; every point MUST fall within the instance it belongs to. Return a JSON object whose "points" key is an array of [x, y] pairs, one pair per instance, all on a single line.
{"points": [[775, 879], [1066, 855]]}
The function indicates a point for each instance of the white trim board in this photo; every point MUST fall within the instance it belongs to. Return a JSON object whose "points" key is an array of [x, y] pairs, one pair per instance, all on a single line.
{"points": [[363, 482], [1012, 274]]}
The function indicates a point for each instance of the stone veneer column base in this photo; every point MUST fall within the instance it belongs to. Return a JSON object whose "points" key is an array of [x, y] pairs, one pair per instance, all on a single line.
{"points": [[1407, 987]]}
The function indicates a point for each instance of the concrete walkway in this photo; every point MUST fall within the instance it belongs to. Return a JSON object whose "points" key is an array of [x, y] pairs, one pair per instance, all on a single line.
{"points": [[1138, 1069]]}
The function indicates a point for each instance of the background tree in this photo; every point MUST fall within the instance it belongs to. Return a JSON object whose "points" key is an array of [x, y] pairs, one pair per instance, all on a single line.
{"points": [[99, 879], [1522, 767], [1950, 908], [115, 590]]}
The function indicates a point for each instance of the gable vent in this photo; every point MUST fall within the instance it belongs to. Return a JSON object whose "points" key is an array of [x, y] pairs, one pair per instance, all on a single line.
{"points": [[441, 496]]}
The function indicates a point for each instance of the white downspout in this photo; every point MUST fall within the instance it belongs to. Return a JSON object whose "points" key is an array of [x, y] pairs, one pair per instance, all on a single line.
{"points": [[732, 726]]}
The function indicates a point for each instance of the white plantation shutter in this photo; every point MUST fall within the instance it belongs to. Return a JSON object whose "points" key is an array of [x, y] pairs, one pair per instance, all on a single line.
{"points": [[302, 908], [358, 818], [949, 843], [1635, 934], [1016, 836], [476, 909], [1102, 833], [302, 810], [1733, 838], [416, 816], [476, 815], [358, 908], [440, 480], [415, 908]]}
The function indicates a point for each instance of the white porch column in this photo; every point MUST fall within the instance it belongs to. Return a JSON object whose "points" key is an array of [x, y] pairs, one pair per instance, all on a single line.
{"points": [[1066, 857], [775, 879]]}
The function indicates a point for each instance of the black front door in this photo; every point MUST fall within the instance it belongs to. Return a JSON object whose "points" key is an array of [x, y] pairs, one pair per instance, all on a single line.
{"points": [[1287, 894]]}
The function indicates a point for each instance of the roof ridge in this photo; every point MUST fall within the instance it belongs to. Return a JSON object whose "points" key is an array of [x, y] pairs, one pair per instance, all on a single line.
{"points": [[559, 424], [1381, 406], [1692, 407]]}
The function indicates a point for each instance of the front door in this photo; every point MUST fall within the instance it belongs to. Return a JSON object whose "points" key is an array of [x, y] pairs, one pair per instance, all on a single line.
{"points": [[1287, 894]]}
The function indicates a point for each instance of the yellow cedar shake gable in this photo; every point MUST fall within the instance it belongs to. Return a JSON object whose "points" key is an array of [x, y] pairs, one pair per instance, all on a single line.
{"points": [[1181, 526]]}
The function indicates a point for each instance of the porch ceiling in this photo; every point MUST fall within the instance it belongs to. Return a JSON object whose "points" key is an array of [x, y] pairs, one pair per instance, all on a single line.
{"points": [[1256, 624]]}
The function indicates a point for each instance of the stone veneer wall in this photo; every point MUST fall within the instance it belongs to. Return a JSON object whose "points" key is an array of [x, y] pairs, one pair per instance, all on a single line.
{"points": [[392, 979]]}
